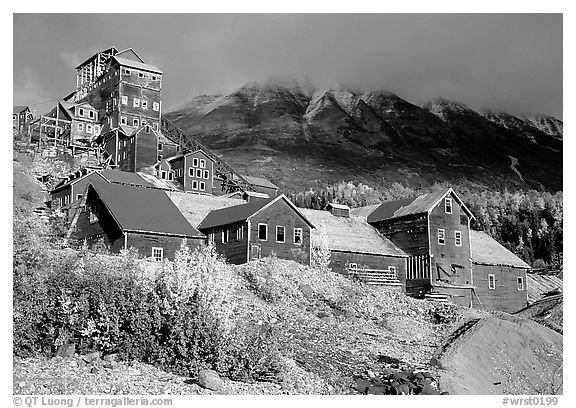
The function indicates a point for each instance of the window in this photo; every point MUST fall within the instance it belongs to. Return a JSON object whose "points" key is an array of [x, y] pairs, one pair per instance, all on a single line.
{"points": [[135, 122], [136, 102], [203, 163], [206, 174], [520, 283], [159, 157], [155, 126], [280, 234], [88, 128], [157, 254], [147, 129], [170, 175], [441, 236], [202, 185], [163, 175], [124, 100], [93, 217], [298, 236], [191, 172], [127, 71], [448, 205], [225, 235], [123, 120], [160, 146], [211, 237], [155, 106], [124, 156], [392, 269], [154, 77], [91, 114], [96, 129], [198, 173], [263, 232], [140, 75], [352, 265], [78, 196], [194, 185], [81, 127], [144, 104], [491, 282], [239, 233], [195, 162], [80, 112], [124, 143], [458, 238]]}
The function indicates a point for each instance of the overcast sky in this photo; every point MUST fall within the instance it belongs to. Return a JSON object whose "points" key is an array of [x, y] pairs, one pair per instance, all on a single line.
{"points": [[511, 62]]}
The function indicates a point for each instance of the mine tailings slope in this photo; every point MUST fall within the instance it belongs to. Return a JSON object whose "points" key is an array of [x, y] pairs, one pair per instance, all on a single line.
{"points": [[501, 354]]}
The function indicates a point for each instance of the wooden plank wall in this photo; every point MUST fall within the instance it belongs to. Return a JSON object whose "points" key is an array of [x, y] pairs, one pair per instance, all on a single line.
{"points": [[340, 260], [409, 233], [235, 251], [145, 242], [506, 296]]}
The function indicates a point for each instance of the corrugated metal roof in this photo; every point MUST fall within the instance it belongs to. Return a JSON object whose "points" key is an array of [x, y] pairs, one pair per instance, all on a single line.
{"points": [[260, 181], [242, 212], [338, 206], [363, 212], [486, 250], [538, 285], [124, 177], [138, 65], [195, 207], [350, 234], [143, 209], [155, 182]]}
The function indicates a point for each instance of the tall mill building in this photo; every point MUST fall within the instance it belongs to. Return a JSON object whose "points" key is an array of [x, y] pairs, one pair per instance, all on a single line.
{"points": [[126, 92]]}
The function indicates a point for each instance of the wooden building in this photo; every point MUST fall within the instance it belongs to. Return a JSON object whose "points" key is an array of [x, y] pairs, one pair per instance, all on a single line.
{"points": [[124, 216], [133, 149], [79, 122], [193, 172], [499, 276], [21, 117], [259, 229], [262, 185], [358, 249], [433, 229], [72, 188]]}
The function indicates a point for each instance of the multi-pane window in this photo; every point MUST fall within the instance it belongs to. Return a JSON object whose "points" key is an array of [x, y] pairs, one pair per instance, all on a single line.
{"points": [[298, 236], [124, 99], [203, 163], [225, 235], [202, 185], [491, 282], [441, 236], [80, 127], [144, 104], [520, 283], [458, 238], [157, 254], [194, 185], [280, 233], [263, 232], [136, 102], [198, 173], [239, 233], [127, 71], [155, 124], [123, 120], [88, 128], [135, 122], [448, 205], [206, 174], [155, 106], [96, 129]]}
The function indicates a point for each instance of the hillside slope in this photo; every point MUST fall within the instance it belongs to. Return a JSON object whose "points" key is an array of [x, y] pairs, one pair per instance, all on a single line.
{"points": [[297, 135]]}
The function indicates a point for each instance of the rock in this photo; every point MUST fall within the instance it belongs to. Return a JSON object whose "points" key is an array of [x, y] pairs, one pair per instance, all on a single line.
{"points": [[306, 290], [134, 371], [209, 379], [91, 357], [66, 350], [110, 357]]}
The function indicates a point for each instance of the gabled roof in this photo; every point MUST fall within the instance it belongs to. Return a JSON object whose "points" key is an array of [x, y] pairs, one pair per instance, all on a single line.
{"points": [[125, 62], [412, 206], [538, 285], [260, 181], [111, 50], [350, 234], [158, 183], [338, 206], [130, 54], [137, 209], [244, 212], [195, 207], [19, 109], [111, 176], [363, 212], [486, 250]]}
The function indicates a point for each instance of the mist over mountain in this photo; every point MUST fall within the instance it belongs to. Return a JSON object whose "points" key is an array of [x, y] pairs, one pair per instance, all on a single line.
{"points": [[298, 136]]}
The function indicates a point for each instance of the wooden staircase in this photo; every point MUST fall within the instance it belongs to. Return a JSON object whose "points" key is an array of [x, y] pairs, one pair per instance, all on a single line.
{"points": [[436, 297], [377, 277]]}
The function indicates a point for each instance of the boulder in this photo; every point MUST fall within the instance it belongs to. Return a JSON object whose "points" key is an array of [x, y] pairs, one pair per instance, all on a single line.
{"points": [[66, 350], [209, 379], [306, 290]]}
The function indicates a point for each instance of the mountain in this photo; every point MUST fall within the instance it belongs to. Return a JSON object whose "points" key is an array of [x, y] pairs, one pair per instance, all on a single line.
{"points": [[299, 136]]}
